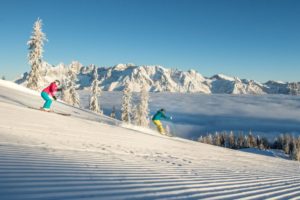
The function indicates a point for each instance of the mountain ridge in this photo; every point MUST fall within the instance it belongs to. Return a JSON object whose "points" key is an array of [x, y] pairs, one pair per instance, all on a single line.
{"points": [[160, 79]]}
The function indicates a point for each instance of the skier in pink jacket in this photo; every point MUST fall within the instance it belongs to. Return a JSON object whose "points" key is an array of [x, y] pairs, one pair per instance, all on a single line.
{"points": [[49, 93]]}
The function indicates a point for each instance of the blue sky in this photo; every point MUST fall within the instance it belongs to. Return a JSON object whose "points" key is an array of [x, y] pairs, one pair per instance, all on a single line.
{"points": [[255, 39]]}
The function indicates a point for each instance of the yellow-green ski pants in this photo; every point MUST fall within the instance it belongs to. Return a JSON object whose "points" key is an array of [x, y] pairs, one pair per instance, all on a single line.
{"points": [[159, 126]]}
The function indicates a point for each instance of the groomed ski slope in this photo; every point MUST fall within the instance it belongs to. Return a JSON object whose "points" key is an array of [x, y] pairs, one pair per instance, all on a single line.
{"points": [[49, 156]]}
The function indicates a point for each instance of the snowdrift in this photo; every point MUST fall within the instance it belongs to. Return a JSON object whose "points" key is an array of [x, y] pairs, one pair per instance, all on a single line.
{"points": [[85, 156]]}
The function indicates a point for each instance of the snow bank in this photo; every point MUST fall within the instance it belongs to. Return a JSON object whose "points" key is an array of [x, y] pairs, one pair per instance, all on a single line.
{"points": [[12, 85]]}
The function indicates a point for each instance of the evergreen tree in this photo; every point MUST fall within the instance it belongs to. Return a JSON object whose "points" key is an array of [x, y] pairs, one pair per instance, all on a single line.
{"points": [[231, 140], [74, 95], [96, 91], [135, 114], [287, 140], [240, 141], [223, 140], [246, 143], [142, 110], [201, 139], [217, 139], [69, 93], [113, 112], [280, 141], [209, 139], [265, 143], [3, 78], [65, 93], [251, 140], [36, 43], [126, 108], [296, 151], [259, 143]]}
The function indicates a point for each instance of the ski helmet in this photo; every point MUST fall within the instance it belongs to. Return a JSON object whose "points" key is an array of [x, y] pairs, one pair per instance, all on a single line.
{"points": [[57, 81]]}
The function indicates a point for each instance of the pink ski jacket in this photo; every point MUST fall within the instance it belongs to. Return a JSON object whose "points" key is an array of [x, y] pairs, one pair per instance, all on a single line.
{"points": [[51, 89]]}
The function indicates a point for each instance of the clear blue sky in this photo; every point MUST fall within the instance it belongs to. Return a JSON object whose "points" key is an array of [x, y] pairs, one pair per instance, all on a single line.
{"points": [[255, 39]]}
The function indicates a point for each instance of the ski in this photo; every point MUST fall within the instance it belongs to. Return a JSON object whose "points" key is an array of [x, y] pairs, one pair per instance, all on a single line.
{"points": [[51, 111]]}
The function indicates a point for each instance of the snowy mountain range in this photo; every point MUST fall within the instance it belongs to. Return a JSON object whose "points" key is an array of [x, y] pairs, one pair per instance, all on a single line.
{"points": [[160, 79]]}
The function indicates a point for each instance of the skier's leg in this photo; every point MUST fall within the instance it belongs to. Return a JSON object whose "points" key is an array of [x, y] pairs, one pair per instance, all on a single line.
{"points": [[159, 126], [161, 129], [48, 101]]}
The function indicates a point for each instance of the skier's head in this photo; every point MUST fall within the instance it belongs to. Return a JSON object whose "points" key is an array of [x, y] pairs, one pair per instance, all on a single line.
{"points": [[162, 110], [57, 82]]}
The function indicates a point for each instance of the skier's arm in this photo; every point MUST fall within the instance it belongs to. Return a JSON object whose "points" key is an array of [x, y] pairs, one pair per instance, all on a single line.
{"points": [[52, 89], [166, 117]]}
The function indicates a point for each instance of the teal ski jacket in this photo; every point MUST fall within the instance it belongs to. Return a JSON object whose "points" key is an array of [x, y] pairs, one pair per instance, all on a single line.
{"points": [[159, 114]]}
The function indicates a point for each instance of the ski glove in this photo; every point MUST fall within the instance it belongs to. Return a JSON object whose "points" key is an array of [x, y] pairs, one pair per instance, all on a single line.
{"points": [[171, 117], [54, 97]]}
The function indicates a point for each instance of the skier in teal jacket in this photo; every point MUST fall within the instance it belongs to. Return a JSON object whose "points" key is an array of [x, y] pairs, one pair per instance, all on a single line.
{"points": [[156, 120]]}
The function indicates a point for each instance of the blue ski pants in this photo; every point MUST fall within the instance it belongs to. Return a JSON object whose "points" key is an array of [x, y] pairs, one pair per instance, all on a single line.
{"points": [[48, 100]]}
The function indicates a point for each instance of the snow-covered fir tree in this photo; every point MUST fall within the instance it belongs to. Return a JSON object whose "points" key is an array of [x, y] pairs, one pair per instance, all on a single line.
{"points": [[240, 141], [251, 140], [217, 139], [69, 93], [126, 108], [141, 114], [36, 43], [295, 153], [287, 143], [113, 112], [208, 139], [96, 91], [231, 140], [135, 114]]}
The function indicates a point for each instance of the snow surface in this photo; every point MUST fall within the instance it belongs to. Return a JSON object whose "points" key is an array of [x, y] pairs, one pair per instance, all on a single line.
{"points": [[198, 114], [85, 156]]}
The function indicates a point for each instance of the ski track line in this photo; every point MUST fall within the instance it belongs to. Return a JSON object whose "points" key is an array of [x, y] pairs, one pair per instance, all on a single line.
{"points": [[222, 192], [39, 176], [284, 196]]}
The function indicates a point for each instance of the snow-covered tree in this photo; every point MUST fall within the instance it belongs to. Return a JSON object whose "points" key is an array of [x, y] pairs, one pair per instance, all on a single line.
{"points": [[295, 148], [69, 93], [223, 139], [259, 143], [217, 139], [265, 143], [251, 140], [113, 112], [231, 140], [142, 110], [126, 108], [246, 143], [240, 141], [287, 143], [135, 114], [36, 43], [208, 139], [65, 93], [201, 139], [96, 91]]}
